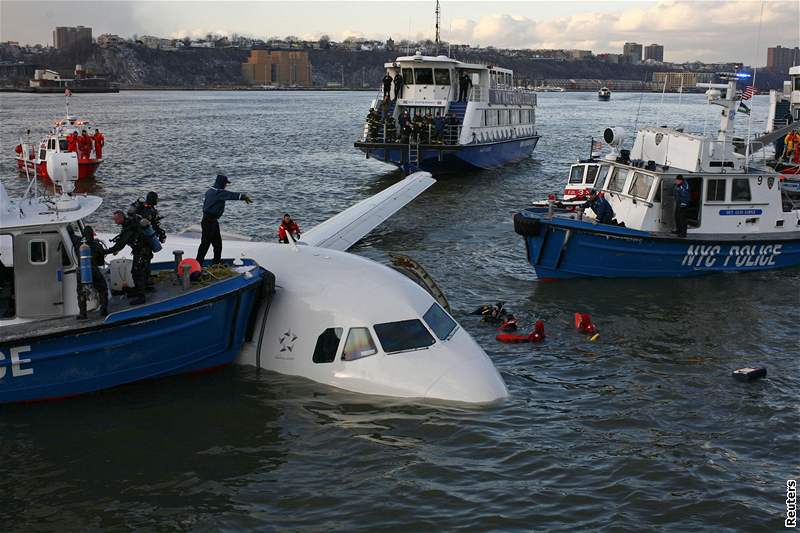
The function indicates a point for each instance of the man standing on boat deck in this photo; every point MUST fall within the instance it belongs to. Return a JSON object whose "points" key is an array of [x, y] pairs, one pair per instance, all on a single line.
{"points": [[399, 82], [213, 207], [682, 197], [603, 212], [99, 141], [465, 82], [132, 235], [387, 85]]}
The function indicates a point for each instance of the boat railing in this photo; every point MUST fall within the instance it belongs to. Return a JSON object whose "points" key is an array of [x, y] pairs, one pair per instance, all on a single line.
{"points": [[475, 94]]}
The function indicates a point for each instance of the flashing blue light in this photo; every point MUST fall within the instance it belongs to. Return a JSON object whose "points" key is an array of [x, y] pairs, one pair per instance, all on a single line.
{"points": [[743, 75]]}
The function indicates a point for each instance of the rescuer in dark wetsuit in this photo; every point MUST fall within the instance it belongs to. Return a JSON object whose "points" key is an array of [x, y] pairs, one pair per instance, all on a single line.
{"points": [[98, 280], [213, 207], [147, 210], [464, 83], [132, 235], [603, 212]]}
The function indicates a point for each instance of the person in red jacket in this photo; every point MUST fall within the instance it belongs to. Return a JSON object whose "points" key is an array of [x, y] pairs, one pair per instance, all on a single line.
{"points": [[85, 145], [99, 141], [290, 226], [72, 142]]}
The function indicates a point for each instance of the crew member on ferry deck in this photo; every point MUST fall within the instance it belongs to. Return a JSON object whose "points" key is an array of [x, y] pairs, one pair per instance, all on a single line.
{"points": [[213, 207], [72, 142], [99, 141], [682, 196], [85, 145], [387, 85], [464, 83], [399, 82], [602, 209], [290, 227]]}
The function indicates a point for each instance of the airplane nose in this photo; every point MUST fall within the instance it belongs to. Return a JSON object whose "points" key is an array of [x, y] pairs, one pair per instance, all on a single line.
{"points": [[473, 380]]}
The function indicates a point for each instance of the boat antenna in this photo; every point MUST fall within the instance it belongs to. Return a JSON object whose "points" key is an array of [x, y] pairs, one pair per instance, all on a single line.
{"points": [[639, 107], [438, 17], [661, 105], [755, 71]]}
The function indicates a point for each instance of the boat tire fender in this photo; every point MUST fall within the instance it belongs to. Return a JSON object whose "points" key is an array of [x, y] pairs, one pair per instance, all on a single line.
{"points": [[526, 226]]}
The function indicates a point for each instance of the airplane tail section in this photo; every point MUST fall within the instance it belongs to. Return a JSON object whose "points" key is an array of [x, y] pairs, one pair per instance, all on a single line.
{"points": [[348, 227]]}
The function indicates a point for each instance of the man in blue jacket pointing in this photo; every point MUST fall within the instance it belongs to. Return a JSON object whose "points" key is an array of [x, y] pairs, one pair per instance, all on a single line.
{"points": [[213, 207]]}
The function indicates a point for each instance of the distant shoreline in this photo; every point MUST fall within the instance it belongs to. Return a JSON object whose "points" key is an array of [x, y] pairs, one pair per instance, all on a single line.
{"points": [[246, 88]]}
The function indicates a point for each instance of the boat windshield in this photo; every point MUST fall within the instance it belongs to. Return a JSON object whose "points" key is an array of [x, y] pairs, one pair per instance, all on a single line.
{"points": [[408, 76], [576, 174], [440, 322]]}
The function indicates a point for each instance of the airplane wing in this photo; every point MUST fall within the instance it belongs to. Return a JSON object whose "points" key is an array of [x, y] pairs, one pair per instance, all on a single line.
{"points": [[348, 227]]}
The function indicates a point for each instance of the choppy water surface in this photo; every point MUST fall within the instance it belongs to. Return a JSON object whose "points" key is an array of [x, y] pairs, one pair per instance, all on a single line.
{"points": [[643, 427]]}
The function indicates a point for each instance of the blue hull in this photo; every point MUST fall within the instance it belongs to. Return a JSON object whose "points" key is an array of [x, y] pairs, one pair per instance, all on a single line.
{"points": [[196, 331], [463, 157], [560, 248]]}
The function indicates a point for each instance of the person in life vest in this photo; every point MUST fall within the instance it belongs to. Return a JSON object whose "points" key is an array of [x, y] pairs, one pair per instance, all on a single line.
{"points": [[18, 149], [99, 141], [85, 145], [72, 142], [288, 227], [791, 145]]}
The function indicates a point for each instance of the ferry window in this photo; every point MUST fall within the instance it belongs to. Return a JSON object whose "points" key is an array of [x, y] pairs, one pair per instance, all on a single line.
{"points": [[503, 117], [491, 117], [359, 344], [424, 76], [797, 84], [483, 118], [740, 191], [576, 174], [62, 145], [715, 191], [591, 173], [440, 322], [403, 335], [601, 178], [442, 76], [37, 252], [408, 76], [514, 116], [640, 187], [327, 345], [617, 181]]}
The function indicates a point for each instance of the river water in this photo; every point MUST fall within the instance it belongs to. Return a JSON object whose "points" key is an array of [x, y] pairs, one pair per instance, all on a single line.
{"points": [[644, 428]]}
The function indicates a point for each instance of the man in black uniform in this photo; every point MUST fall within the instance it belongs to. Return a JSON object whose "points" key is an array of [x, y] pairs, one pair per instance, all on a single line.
{"points": [[464, 83], [387, 85], [98, 280], [132, 235], [399, 82]]}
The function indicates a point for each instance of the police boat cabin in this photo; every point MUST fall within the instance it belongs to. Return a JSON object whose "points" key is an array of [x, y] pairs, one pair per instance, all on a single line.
{"points": [[49, 277], [441, 115], [676, 204]]}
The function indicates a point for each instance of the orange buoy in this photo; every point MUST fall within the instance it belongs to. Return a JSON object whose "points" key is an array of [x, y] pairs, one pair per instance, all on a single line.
{"points": [[194, 267]]}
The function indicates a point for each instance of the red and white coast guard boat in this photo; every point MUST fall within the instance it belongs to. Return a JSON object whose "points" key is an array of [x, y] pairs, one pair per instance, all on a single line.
{"points": [[32, 158]]}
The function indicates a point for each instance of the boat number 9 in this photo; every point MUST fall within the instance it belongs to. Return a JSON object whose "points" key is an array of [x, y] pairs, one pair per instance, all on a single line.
{"points": [[16, 362], [760, 180]]}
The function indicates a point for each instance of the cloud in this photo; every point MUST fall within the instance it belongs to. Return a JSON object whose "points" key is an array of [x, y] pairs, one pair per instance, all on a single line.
{"points": [[689, 30]]}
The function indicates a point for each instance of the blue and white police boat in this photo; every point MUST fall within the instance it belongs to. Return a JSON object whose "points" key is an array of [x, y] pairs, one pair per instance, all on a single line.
{"points": [[740, 217], [492, 125], [46, 353]]}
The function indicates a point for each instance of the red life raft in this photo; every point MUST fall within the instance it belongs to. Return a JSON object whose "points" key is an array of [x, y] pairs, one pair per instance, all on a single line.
{"points": [[537, 335]]}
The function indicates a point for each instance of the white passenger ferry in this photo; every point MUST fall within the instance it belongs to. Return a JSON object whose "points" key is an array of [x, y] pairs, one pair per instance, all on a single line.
{"points": [[450, 115]]}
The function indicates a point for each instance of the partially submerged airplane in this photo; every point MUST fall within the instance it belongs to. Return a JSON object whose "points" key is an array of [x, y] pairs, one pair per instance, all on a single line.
{"points": [[353, 323]]}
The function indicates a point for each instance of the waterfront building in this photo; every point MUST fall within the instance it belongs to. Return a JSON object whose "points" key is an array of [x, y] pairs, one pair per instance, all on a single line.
{"points": [[67, 36], [654, 52], [277, 67], [677, 80], [781, 59], [633, 52]]}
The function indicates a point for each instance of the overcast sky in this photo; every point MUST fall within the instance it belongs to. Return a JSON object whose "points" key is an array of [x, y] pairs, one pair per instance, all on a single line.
{"points": [[703, 30]]}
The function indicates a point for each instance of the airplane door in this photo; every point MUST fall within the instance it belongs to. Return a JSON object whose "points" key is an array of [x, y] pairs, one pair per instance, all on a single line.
{"points": [[37, 275]]}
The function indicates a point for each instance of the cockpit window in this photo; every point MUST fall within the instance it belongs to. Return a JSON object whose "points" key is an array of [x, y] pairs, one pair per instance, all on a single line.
{"points": [[424, 76], [576, 174], [591, 173], [403, 336], [327, 345], [359, 344], [440, 322]]}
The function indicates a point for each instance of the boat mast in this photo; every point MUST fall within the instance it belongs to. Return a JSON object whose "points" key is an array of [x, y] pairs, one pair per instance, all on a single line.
{"points": [[438, 16]]}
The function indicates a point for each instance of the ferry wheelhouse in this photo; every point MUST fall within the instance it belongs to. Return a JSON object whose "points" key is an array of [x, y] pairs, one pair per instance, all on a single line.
{"points": [[783, 120], [46, 353], [740, 217], [430, 128]]}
